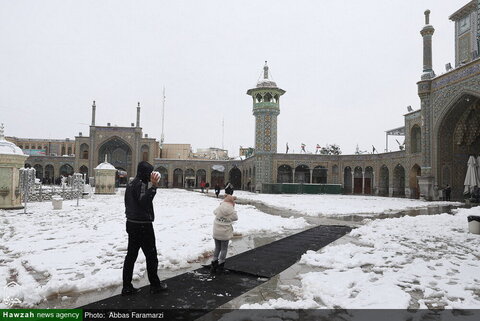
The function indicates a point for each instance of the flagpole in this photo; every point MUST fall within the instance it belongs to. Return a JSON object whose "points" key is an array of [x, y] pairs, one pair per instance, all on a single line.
{"points": [[162, 137]]}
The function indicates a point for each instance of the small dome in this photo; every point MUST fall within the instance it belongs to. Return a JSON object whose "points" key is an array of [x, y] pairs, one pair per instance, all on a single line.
{"points": [[105, 165], [266, 83], [8, 148]]}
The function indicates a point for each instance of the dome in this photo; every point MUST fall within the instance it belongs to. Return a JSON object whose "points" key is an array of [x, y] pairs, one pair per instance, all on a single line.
{"points": [[8, 148], [266, 83], [105, 165]]}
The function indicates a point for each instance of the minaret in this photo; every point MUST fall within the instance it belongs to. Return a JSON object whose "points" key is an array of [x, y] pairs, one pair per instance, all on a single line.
{"points": [[266, 108], [427, 33], [138, 114], [93, 113]]}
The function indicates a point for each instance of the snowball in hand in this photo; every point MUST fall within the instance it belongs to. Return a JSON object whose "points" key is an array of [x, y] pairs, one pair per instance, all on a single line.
{"points": [[156, 176]]}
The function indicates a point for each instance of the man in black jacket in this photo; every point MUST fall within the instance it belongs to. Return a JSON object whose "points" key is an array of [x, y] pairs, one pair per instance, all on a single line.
{"points": [[140, 216]]}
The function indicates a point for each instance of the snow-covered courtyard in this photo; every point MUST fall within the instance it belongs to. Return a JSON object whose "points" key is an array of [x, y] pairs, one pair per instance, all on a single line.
{"points": [[77, 250], [426, 261], [338, 205]]}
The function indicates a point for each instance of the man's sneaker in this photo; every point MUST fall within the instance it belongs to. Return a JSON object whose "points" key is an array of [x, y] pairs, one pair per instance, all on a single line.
{"points": [[158, 288], [129, 290]]}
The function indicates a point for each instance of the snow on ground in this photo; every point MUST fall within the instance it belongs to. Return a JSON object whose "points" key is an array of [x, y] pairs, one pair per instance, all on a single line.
{"points": [[76, 250], [418, 262], [333, 205]]}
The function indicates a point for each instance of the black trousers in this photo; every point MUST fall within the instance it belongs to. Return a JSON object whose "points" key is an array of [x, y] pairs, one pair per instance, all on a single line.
{"points": [[141, 236]]}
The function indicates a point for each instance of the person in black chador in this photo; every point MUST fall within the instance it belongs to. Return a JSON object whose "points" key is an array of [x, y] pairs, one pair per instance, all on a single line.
{"points": [[448, 192], [217, 189], [140, 216], [229, 189]]}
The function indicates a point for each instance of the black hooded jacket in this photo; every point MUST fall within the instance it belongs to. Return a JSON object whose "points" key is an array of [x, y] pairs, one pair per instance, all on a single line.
{"points": [[138, 197]]}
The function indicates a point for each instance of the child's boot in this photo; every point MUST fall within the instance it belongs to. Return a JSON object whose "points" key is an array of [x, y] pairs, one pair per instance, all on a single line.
{"points": [[214, 266]]}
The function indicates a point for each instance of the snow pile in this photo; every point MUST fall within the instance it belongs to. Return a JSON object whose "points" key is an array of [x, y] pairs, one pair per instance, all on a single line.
{"points": [[409, 262], [82, 249], [333, 205]]}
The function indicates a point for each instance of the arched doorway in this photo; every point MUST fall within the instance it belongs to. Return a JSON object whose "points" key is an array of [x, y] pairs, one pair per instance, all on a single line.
{"points": [[190, 178], [84, 170], [49, 174], [177, 178], [384, 181], [347, 180], [302, 174], [235, 178], [164, 176], [217, 178], [457, 138], [399, 181], [201, 177], [66, 170], [368, 180], [284, 174], [415, 172], [319, 175], [38, 171], [358, 180], [119, 154]]}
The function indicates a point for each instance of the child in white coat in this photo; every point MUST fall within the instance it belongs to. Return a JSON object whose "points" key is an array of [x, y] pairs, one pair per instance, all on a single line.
{"points": [[225, 215]]}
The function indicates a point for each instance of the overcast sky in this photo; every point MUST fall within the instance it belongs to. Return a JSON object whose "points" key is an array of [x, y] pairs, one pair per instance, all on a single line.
{"points": [[349, 67]]}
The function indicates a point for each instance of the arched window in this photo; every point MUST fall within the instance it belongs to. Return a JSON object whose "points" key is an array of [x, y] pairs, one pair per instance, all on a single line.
{"points": [[268, 97], [84, 151], [416, 139], [145, 152]]}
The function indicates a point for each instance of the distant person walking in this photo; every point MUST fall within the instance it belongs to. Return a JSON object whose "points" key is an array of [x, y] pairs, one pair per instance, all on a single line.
{"points": [[140, 217], [225, 215], [229, 189], [217, 189], [448, 192], [202, 185], [207, 186]]}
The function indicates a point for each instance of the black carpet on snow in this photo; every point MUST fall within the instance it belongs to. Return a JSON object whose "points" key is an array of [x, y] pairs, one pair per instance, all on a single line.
{"points": [[200, 290], [271, 259]]}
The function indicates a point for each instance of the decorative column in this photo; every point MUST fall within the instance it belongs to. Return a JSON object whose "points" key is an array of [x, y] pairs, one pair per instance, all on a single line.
{"points": [[293, 178], [311, 176], [426, 181], [353, 181], [363, 182], [374, 186]]}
